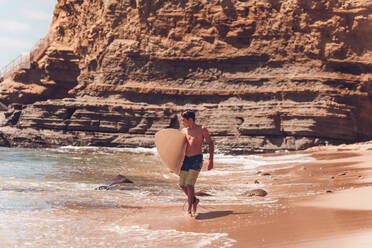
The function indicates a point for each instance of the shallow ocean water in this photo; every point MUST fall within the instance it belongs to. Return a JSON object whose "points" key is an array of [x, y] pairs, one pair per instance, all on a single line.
{"points": [[48, 196]]}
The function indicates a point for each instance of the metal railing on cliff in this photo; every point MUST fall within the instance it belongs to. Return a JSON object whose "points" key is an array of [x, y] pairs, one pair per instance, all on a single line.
{"points": [[24, 60], [20, 62]]}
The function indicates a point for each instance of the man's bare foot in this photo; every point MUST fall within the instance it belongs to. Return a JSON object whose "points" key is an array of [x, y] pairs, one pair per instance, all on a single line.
{"points": [[194, 206], [189, 210]]}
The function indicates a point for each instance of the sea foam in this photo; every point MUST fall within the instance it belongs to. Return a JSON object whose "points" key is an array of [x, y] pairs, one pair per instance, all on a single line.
{"points": [[142, 236]]}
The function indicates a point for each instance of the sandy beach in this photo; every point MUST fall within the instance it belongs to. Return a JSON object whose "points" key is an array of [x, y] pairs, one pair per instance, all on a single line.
{"points": [[315, 198], [324, 203]]}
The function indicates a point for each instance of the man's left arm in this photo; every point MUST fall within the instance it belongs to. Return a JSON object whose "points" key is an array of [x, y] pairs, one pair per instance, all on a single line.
{"points": [[209, 140]]}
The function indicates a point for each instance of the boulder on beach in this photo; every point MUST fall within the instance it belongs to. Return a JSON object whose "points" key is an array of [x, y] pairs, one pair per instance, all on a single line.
{"points": [[118, 179], [114, 183]]}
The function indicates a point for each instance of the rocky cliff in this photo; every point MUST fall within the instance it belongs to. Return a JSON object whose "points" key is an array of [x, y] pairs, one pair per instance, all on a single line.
{"points": [[263, 75]]}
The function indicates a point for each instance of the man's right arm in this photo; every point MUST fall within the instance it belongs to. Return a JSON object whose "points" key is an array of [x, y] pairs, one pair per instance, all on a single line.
{"points": [[209, 140]]}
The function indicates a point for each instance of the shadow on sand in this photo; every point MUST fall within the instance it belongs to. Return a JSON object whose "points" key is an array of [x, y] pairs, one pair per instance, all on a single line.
{"points": [[215, 214]]}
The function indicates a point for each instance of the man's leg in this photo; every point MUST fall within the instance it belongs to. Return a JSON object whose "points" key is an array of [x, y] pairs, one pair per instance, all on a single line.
{"points": [[182, 183], [193, 201], [190, 196], [190, 182], [186, 191]]}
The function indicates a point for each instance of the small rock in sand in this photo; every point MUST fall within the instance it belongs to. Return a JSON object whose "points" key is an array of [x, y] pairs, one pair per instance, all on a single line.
{"points": [[256, 192]]}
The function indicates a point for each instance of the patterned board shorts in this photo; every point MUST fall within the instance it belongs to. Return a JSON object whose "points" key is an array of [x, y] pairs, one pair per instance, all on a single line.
{"points": [[190, 170]]}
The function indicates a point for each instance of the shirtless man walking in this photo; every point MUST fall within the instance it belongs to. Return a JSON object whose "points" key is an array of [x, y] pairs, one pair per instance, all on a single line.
{"points": [[193, 162]]}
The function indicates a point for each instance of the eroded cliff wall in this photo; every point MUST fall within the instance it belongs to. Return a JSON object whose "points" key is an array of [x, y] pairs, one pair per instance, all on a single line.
{"points": [[263, 75]]}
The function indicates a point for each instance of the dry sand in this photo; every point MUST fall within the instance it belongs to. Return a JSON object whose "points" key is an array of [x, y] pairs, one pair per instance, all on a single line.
{"points": [[325, 203]]}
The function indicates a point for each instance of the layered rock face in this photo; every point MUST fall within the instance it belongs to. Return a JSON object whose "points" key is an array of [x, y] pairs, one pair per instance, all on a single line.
{"points": [[262, 75]]}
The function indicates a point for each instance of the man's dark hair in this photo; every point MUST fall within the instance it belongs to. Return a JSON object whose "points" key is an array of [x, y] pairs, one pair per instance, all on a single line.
{"points": [[188, 114]]}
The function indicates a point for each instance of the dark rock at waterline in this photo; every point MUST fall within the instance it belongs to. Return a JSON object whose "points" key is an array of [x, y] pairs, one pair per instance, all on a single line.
{"points": [[113, 187], [115, 183], [256, 192], [120, 186], [118, 179], [103, 187], [3, 141]]}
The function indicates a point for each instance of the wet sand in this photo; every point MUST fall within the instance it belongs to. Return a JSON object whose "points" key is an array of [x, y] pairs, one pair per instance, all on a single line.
{"points": [[325, 203]]}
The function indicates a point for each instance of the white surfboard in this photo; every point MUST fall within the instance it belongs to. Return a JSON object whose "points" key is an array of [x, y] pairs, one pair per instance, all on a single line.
{"points": [[171, 146]]}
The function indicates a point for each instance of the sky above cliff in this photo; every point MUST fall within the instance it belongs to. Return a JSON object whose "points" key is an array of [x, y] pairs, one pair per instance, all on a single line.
{"points": [[22, 24]]}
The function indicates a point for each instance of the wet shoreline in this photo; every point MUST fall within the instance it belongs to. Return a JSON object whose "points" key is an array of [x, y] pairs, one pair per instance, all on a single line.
{"points": [[57, 189]]}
